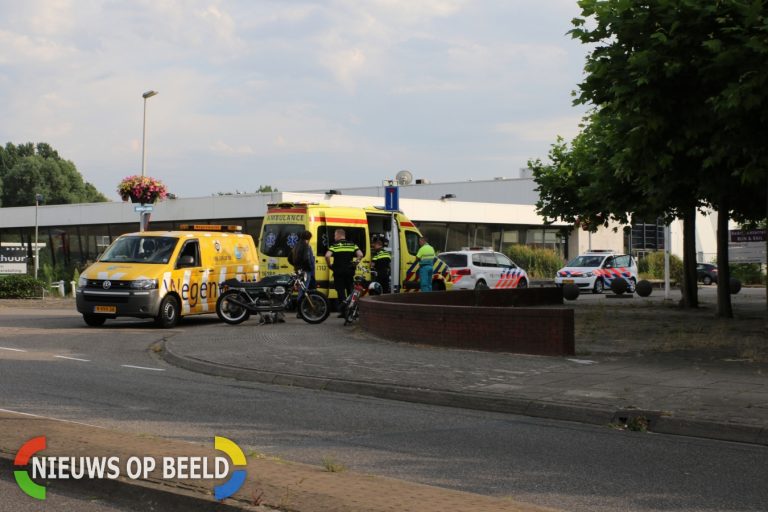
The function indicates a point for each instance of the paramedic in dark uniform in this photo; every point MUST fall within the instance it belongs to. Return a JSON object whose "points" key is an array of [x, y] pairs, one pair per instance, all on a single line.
{"points": [[382, 263], [345, 256]]}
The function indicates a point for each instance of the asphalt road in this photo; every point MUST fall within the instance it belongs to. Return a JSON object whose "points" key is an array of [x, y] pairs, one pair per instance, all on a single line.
{"points": [[52, 365]]}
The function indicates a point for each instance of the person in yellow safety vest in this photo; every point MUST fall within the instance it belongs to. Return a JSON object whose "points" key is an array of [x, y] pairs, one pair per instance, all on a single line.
{"points": [[346, 255], [426, 258], [382, 263]]}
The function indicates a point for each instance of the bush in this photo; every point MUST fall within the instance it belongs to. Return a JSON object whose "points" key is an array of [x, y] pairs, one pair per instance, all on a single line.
{"points": [[652, 266], [748, 273], [538, 262], [20, 286]]}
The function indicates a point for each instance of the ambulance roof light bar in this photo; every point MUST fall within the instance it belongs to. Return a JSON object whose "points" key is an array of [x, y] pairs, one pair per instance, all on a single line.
{"points": [[226, 228]]}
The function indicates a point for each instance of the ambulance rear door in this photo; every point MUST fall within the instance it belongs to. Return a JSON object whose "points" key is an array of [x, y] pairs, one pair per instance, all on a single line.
{"points": [[408, 247], [279, 234]]}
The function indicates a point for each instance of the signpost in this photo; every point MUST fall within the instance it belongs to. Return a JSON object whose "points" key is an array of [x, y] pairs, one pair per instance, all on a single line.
{"points": [[392, 198], [392, 204], [747, 246], [13, 260], [144, 211]]}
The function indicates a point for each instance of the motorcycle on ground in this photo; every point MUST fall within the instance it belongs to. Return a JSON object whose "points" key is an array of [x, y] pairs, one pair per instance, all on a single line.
{"points": [[270, 297]]}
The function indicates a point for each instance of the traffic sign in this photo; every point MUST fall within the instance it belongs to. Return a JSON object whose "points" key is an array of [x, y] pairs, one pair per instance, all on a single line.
{"points": [[143, 208], [391, 198]]}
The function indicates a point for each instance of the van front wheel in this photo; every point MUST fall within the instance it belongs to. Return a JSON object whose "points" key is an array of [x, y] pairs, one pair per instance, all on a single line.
{"points": [[94, 320], [168, 316]]}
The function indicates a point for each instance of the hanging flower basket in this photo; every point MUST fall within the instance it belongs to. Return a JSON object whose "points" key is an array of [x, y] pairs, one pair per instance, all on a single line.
{"points": [[143, 190]]}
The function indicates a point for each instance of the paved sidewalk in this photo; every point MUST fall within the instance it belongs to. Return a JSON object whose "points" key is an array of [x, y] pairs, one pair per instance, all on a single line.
{"points": [[677, 392]]}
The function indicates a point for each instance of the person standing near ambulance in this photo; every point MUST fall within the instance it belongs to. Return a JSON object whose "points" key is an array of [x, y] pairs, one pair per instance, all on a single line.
{"points": [[345, 256], [426, 259], [382, 263], [302, 257]]}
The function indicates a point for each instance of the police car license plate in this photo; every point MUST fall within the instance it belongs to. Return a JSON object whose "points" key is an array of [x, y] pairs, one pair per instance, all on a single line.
{"points": [[567, 281], [105, 309]]}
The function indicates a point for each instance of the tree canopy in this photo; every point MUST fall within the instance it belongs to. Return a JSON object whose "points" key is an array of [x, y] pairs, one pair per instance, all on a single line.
{"points": [[677, 89], [29, 169]]}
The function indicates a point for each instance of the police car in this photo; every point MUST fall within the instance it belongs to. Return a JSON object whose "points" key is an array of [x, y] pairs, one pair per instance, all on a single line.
{"points": [[473, 268], [596, 270]]}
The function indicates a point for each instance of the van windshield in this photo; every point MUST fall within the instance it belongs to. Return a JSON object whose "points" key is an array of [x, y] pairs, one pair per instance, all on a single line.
{"points": [[277, 240], [140, 249], [586, 261]]}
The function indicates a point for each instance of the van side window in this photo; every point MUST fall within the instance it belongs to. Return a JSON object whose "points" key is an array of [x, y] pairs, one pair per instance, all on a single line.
{"points": [[623, 261], [412, 242], [503, 261], [484, 259], [189, 255]]}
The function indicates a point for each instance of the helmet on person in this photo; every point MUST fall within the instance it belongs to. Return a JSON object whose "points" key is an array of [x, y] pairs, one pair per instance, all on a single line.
{"points": [[375, 288]]}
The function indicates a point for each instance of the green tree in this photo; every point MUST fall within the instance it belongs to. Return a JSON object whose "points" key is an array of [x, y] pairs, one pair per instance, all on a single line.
{"points": [[663, 83], [29, 169]]}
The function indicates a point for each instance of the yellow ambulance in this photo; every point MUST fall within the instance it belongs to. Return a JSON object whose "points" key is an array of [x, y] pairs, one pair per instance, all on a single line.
{"points": [[165, 274], [284, 221]]}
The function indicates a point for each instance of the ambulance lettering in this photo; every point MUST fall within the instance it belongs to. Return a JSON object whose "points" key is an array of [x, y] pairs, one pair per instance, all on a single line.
{"points": [[295, 219]]}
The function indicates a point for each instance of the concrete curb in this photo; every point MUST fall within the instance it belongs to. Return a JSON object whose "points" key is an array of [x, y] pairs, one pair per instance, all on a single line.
{"points": [[658, 422]]}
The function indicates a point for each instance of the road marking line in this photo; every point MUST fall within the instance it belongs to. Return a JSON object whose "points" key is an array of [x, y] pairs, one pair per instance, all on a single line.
{"points": [[74, 359], [142, 367], [582, 361], [13, 349], [49, 418]]}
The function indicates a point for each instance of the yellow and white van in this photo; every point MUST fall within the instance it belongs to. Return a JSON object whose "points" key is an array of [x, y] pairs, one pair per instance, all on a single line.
{"points": [[165, 274], [284, 221]]}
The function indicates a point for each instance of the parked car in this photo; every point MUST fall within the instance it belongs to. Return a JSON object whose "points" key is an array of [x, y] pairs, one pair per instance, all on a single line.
{"points": [[596, 270], [473, 268], [706, 273]]}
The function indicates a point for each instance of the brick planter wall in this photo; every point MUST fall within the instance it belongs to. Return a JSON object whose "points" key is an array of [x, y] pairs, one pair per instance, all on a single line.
{"points": [[451, 319]]}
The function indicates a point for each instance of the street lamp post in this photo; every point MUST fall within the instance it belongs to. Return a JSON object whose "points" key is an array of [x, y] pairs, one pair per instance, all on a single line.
{"points": [[143, 215], [146, 96], [38, 200]]}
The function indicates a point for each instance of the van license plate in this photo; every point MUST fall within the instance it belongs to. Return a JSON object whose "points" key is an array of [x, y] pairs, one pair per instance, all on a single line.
{"points": [[567, 281], [105, 309]]}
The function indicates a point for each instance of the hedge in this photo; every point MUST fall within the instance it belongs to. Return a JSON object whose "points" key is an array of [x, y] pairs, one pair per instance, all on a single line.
{"points": [[20, 286], [652, 266], [538, 262]]}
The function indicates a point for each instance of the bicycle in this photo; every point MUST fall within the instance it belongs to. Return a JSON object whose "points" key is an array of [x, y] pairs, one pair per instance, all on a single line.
{"points": [[361, 288]]}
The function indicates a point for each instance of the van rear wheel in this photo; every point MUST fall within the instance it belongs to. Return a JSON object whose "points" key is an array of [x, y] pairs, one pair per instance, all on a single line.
{"points": [[168, 316]]}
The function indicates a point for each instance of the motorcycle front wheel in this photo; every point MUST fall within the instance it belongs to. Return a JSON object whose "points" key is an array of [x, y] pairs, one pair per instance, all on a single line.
{"points": [[314, 307], [353, 313], [228, 309]]}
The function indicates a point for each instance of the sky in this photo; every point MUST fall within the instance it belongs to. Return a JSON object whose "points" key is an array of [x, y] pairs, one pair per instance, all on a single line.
{"points": [[289, 93]]}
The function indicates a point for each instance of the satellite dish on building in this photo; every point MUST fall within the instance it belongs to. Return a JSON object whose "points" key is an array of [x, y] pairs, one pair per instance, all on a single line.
{"points": [[404, 177]]}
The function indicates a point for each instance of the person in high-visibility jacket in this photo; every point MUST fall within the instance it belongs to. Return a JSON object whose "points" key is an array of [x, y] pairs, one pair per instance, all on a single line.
{"points": [[382, 264], [346, 255], [426, 259]]}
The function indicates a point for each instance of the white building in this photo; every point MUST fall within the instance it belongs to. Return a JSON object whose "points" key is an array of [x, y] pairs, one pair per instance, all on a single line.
{"points": [[496, 213]]}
